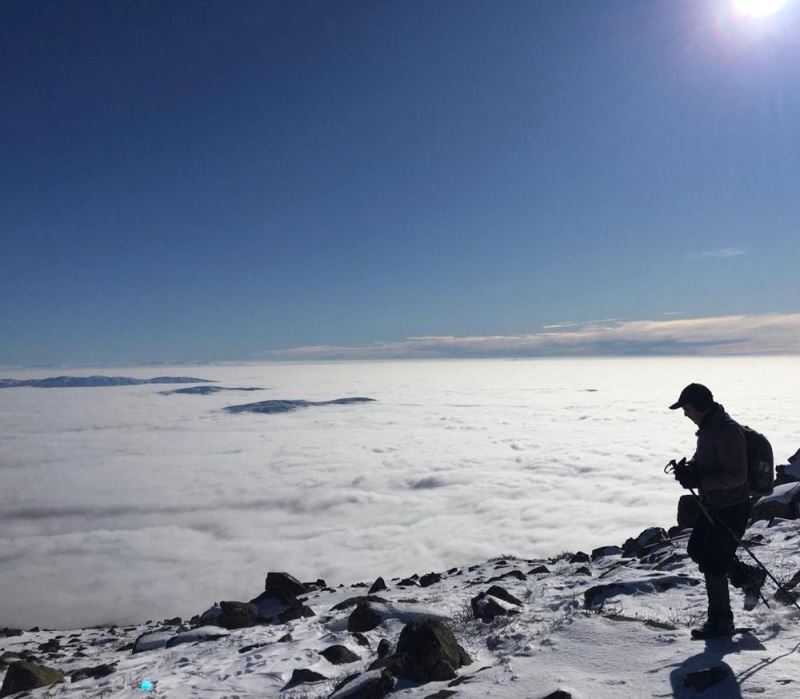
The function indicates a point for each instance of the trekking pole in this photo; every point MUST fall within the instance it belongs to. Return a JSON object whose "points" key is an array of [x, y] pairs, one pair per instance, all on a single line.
{"points": [[670, 468], [741, 544]]}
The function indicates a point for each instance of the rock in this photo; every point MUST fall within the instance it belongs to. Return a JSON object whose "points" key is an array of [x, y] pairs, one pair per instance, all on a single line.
{"points": [[125, 647], [429, 651], [384, 648], [538, 570], [688, 511], [175, 621], [408, 582], [252, 646], [583, 570], [558, 694], [209, 616], [649, 538], [297, 610], [24, 675], [485, 606], [286, 638], [201, 634], [516, 574], [441, 694], [94, 672], [784, 502], [318, 584], [604, 551], [374, 684], [378, 585], [596, 595], [361, 639], [151, 641], [703, 679], [302, 676], [363, 618], [339, 655], [50, 646], [353, 601], [237, 615], [282, 586], [7, 633], [430, 579], [579, 557]]}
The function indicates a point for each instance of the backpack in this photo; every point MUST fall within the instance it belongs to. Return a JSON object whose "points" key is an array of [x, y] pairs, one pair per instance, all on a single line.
{"points": [[760, 464]]}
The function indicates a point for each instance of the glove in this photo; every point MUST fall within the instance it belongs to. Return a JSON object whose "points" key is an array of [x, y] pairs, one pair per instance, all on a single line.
{"points": [[685, 473]]}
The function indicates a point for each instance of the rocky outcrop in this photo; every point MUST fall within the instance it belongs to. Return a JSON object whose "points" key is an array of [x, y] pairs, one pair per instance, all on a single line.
{"points": [[25, 675]]}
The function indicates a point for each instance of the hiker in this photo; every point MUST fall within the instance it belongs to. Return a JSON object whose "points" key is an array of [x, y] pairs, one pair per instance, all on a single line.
{"points": [[718, 470]]}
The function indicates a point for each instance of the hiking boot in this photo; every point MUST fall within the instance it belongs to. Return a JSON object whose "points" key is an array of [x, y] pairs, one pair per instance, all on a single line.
{"points": [[714, 629], [752, 589]]}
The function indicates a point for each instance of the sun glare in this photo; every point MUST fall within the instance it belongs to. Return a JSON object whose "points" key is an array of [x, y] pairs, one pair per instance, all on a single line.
{"points": [[759, 8]]}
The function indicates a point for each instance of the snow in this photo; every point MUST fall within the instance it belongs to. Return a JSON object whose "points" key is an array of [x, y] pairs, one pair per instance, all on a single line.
{"points": [[783, 493], [636, 645]]}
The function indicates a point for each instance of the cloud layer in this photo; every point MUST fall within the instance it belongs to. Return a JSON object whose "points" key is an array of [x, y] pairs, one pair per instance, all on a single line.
{"points": [[121, 504], [767, 334]]}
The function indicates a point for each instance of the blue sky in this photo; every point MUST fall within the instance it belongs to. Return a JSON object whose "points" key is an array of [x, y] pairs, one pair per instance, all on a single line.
{"points": [[211, 180]]}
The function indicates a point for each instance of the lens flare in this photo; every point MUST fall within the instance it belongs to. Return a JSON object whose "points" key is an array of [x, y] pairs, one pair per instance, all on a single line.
{"points": [[759, 8]]}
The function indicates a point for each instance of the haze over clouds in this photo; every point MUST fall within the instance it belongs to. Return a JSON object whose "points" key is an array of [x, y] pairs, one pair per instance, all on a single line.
{"points": [[724, 335], [121, 504]]}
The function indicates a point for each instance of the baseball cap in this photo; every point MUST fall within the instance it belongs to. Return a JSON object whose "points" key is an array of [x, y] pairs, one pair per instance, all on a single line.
{"points": [[694, 394]]}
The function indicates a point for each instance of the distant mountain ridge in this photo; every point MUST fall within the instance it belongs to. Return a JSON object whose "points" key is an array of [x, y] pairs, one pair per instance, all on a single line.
{"points": [[95, 381]]}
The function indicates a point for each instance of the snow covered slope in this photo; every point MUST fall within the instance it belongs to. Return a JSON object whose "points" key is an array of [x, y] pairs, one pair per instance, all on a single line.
{"points": [[594, 629]]}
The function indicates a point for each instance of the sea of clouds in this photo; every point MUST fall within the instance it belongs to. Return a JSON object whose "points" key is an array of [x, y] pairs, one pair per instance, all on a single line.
{"points": [[121, 504]]}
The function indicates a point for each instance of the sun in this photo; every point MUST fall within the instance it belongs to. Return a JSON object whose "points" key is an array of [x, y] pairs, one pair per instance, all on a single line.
{"points": [[759, 8]]}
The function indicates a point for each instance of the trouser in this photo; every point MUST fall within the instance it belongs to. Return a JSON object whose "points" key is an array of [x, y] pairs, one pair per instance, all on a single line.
{"points": [[713, 548]]}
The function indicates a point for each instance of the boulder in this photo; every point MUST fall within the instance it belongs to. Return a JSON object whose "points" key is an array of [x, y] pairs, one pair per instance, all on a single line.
{"points": [[339, 655], [92, 672], [784, 502], [378, 585], [384, 648], [430, 579], [374, 684], [516, 574], [597, 595], [487, 608], [429, 652], [353, 601], [539, 570], [361, 639], [579, 557], [302, 676], [151, 641], [283, 586], [24, 675], [604, 551], [201, 634], [648, 539], [363, 618], [237, 615]]}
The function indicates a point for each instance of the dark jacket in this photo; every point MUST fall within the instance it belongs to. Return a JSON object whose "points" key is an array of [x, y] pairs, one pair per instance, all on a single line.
{"points": [[721, 460]]}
